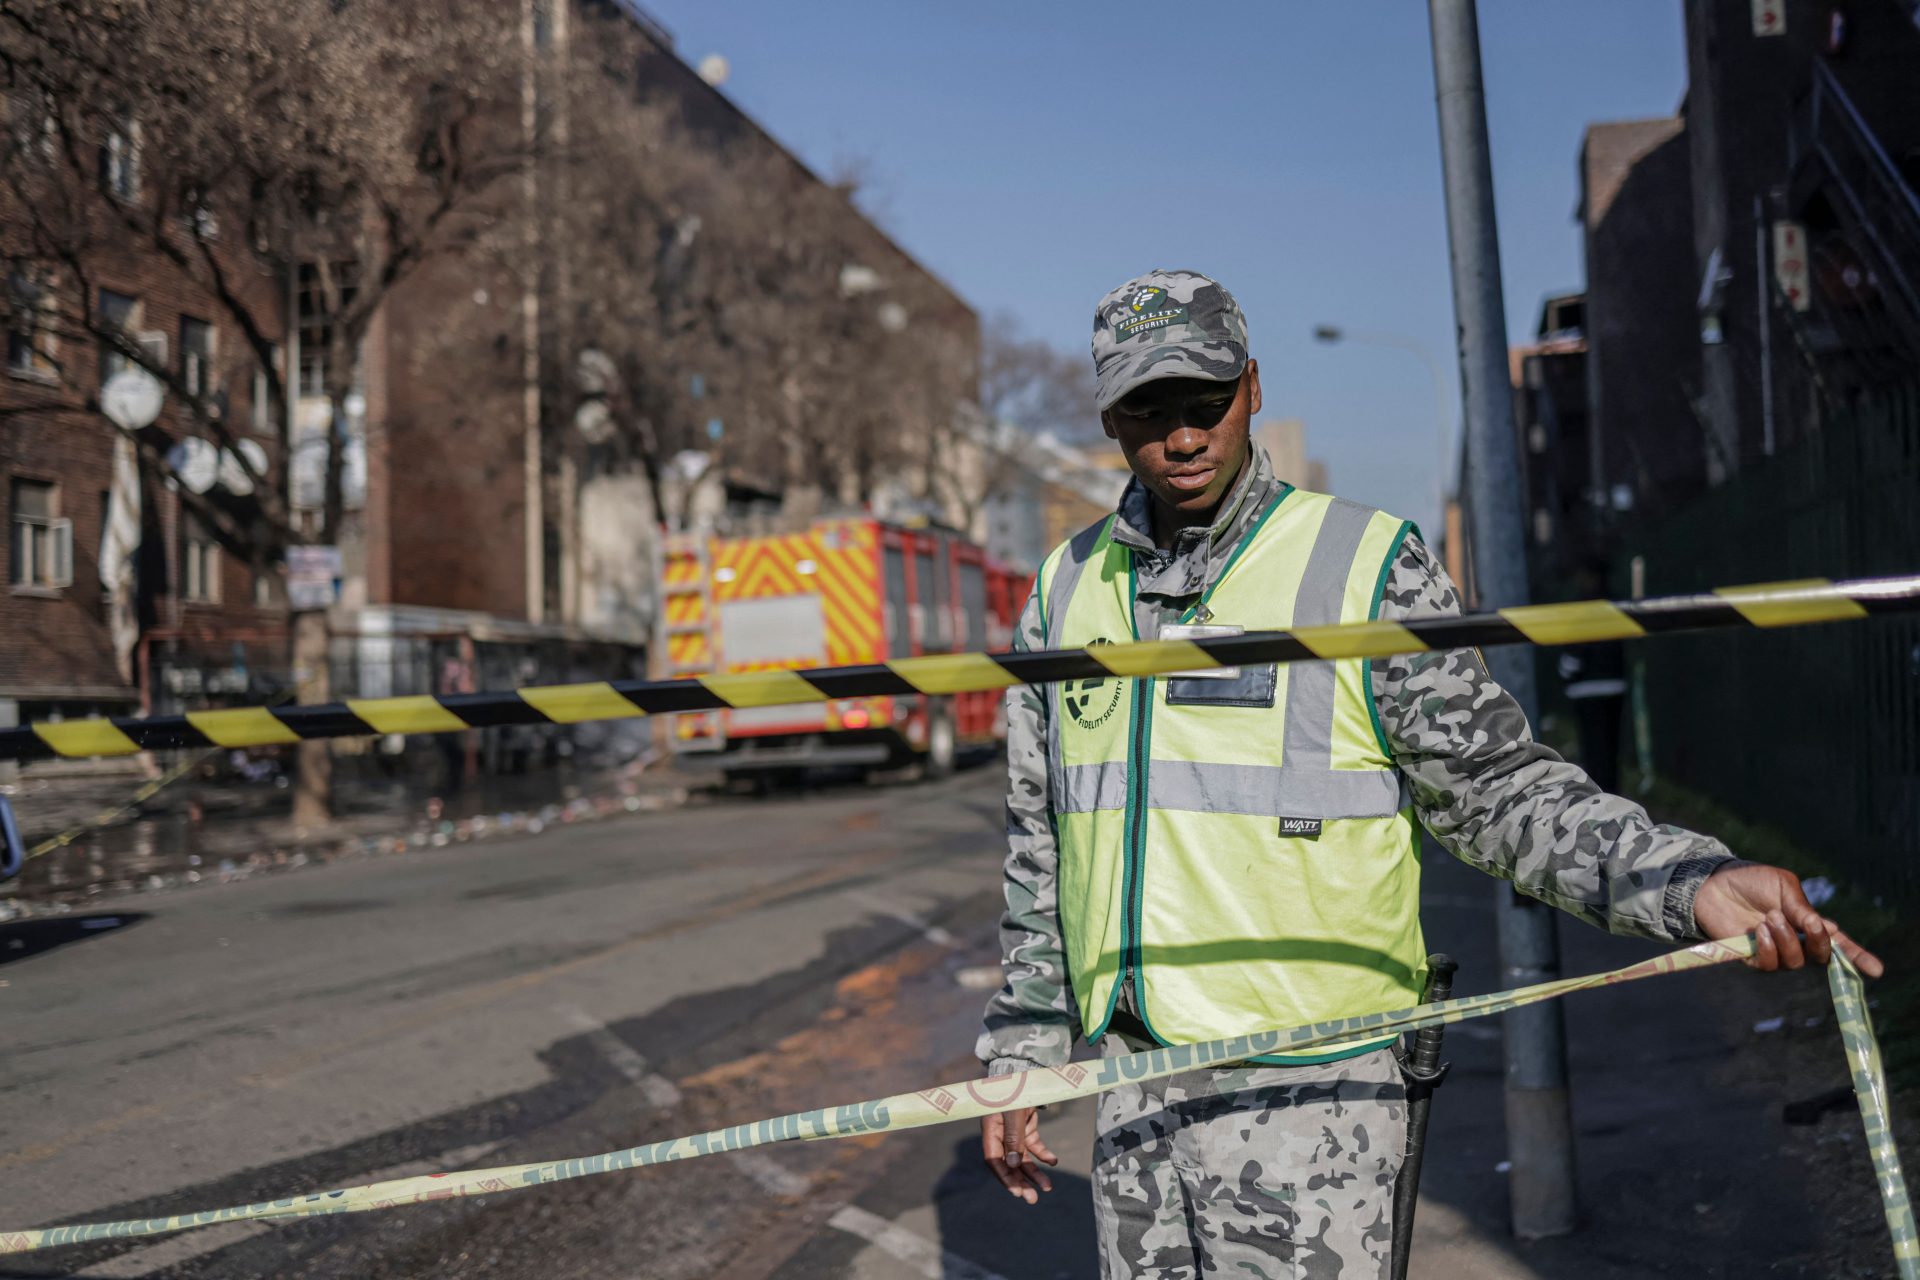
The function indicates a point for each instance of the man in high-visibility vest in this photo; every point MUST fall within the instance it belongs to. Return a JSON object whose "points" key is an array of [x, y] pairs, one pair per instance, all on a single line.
{"points": [[1200, 856]]}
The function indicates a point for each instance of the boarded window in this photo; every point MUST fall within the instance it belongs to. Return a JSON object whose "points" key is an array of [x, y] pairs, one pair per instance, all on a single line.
{"points": [[199, 563], [40, 548], [196, 355], [118, 312], [29, 326]]}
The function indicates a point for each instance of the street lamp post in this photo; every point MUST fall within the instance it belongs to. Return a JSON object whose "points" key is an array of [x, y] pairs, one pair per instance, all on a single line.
{"points": [[1333, 334], [1539, 1114]]}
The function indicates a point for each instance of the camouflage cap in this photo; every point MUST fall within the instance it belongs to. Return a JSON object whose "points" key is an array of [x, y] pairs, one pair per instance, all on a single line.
{"points": [[1166, 324]]}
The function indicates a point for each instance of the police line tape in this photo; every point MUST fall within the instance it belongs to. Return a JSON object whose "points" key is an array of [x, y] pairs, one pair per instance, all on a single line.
{"points": [[1778, 604], [1044, 1086]]}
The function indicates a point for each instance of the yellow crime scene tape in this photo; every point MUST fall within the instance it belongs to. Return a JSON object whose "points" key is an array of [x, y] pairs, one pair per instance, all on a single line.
{"points": [[971, 1099], [1768, 605]]}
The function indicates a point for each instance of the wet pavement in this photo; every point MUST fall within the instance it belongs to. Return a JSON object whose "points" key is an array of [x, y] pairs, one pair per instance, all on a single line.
{"points": [[526, 998], [216, 825]]}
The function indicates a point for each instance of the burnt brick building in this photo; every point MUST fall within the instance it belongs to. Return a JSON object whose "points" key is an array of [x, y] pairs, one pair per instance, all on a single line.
{"points": [[207, 623], [480, 547], [1753, 262], [1641, 338]]}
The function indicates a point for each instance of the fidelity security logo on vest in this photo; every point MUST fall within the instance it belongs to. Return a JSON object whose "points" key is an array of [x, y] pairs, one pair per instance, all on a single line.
{"points": [[1081, 696]]}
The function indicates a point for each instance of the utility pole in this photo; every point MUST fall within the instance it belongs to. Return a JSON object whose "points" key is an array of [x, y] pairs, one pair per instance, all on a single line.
{"points": [[1539, 1122]]}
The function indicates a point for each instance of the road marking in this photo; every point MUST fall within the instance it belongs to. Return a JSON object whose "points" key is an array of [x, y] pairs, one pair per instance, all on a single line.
{"points": [[655, 1088], [982, 977], [917, 1252], [905, 1246], [768, 1174], [931, 932], [193, 1244]]}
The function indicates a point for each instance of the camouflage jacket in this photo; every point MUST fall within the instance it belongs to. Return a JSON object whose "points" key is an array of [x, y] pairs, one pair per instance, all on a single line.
{"points": [[1480, 784]]}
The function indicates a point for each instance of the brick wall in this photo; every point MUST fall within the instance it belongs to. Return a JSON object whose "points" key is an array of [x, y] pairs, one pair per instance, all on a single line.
{"points": [[1642, 332], [54, 644], [1746, 92], [452, 505]]}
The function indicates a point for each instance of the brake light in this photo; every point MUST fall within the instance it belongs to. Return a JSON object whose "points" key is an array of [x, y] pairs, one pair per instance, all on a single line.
{"points": [[857, 718]]}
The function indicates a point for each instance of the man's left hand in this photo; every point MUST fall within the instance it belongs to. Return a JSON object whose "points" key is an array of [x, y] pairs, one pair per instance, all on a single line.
{"points": [[1768, 902]]}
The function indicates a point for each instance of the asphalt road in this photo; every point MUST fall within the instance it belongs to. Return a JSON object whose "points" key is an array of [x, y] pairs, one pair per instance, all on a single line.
{"points": [[627, 981]]}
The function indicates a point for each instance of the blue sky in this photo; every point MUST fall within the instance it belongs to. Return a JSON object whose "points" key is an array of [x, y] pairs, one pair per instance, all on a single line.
{"points": [[1036, 155]]}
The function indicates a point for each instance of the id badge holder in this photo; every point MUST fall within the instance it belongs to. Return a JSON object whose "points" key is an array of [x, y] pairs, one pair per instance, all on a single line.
{"points": [[1200, 631]]}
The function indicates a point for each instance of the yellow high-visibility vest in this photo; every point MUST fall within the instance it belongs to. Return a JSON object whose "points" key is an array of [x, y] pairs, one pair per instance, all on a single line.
{"points": [[1243, 847]]}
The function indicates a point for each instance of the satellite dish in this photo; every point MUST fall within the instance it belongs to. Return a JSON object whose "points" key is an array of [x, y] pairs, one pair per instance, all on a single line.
{"points": [[233, 477], [132, 398], [593, 421], [196, 462], [714, 69]]}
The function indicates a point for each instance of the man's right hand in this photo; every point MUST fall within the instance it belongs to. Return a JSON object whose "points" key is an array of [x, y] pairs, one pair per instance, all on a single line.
{"points": [[1011, 1144]]}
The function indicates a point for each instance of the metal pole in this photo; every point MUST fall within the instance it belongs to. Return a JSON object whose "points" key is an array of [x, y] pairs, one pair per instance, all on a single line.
{"points": [[1763, 292], [1539, 1122]]}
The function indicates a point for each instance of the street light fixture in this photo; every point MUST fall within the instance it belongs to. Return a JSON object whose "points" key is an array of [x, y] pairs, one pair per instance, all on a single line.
{"points": [[1333, 335]]}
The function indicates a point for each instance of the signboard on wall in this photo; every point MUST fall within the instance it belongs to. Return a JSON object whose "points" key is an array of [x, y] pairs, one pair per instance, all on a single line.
{"points": [[1790, 271], [1769, 17], [313, 577]]}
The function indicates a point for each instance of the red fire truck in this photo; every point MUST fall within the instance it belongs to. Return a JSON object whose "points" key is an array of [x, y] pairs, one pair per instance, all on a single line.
{"points": [[842, 592]]}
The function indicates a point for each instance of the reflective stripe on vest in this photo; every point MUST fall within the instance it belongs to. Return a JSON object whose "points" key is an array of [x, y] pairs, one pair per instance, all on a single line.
{"points": [[1262, 790], [1251, 865]]}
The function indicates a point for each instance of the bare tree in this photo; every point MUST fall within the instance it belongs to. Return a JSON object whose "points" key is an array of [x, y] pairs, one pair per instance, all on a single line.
{"points": [[708, 277], [242, 142], [1033, 384], [1027, 388]]}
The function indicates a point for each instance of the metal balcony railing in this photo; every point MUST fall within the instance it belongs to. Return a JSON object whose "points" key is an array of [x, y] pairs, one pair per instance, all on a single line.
{"points": [[1879, 210]]}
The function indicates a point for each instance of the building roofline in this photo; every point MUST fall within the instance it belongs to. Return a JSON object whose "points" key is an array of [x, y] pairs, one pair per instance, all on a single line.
{"points": [[662, 39]]}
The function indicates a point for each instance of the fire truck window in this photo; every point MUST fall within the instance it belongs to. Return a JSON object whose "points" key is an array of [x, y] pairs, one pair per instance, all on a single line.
{"points": [[942, 599], [899, 628], [973, 602], [935, 602]]}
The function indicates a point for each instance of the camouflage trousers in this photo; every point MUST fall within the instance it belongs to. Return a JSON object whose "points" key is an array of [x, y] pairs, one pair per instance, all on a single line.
{"points": [[1279, 1173]]}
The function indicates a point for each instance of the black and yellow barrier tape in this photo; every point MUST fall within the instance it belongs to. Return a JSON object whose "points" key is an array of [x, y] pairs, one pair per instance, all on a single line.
{"points": [[1040, 1087], [107, 817], [1778, 604]]}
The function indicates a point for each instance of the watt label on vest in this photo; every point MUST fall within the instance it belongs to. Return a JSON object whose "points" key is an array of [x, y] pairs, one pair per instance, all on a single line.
{"points": [[1196, 631], [1300, 828]]}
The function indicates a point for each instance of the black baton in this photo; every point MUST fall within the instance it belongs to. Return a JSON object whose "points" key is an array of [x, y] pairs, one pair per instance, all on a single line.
{"points": [[1424, 1071]]}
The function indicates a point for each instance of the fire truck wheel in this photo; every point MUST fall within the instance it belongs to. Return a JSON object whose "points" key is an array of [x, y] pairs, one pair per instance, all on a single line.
{"points": [[942, 745], [757, 783]]}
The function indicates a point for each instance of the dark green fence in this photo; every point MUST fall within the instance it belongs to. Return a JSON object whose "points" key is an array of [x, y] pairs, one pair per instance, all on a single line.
{"points": [[1816, 731]]}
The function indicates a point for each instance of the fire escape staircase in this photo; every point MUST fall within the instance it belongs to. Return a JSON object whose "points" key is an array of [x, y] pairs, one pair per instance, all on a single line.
{"points": [[1863, 232]]}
